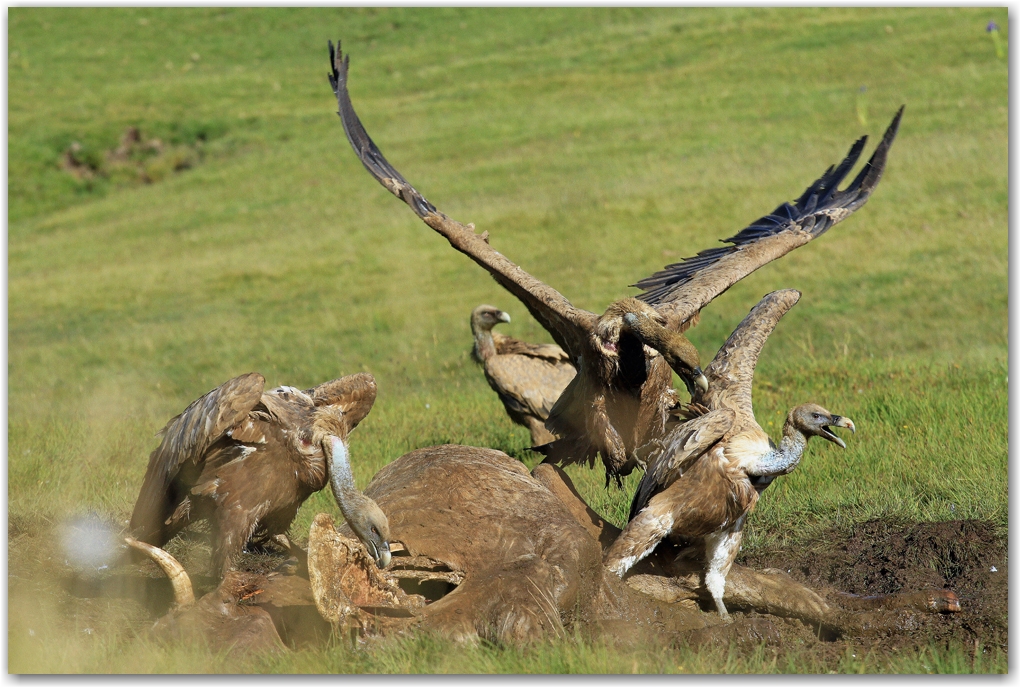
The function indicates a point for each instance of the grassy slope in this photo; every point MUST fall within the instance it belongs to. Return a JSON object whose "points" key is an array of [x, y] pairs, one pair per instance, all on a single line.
{"points": [[594, 145]]}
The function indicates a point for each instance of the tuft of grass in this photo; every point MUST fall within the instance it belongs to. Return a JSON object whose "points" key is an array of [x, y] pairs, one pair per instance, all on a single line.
{"points": [[424, 653]]}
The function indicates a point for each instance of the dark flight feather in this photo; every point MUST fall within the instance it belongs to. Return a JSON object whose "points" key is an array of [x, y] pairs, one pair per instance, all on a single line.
{"points": [[819, 208]]}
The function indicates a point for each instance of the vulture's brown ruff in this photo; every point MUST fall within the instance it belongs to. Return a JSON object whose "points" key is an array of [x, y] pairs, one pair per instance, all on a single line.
{"points": [[618, 400], [704, 476], [245, 460], [527, 377]]}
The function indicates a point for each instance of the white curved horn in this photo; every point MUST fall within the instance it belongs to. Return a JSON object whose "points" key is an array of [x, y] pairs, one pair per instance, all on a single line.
{"points": [[179, 580]]}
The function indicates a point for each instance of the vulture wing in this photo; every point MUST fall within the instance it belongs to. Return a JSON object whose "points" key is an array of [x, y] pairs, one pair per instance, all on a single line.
{"points": [[186, 438], [680, 290], [507, 345], [731, 372], [567, 325], [529, 385], [679, 449], [354, 395]]}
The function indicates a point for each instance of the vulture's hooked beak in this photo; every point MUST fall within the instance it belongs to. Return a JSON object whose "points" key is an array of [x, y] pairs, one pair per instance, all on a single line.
{"points": [[503, 317], [837, 421], [695, 380], [380, 552], [700, 379]]}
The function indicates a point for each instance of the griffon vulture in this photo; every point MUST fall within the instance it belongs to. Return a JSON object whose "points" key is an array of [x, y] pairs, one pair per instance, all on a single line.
{"points": [[246, 459], [619, 399], [704, 477], [527, 377]]}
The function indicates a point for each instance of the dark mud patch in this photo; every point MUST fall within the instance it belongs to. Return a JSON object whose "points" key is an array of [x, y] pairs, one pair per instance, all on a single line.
{"points": [[883, 557]]}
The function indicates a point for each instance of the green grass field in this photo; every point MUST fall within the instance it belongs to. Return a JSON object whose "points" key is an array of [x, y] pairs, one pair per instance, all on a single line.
{"points": [[595, 146]]}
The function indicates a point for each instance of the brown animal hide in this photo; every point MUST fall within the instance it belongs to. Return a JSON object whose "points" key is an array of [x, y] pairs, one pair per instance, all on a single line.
{"points": [[513, 557], [220, 619], [245, 612]]}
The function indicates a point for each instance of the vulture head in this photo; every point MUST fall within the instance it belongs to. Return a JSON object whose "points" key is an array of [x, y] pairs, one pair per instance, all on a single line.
{"points": [[812, 420], [649, 326], [364, 515], [485, 317], [609, 327]]}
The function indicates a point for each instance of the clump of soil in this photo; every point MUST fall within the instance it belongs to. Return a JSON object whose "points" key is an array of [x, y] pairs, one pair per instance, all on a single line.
{"points": [[883, 557], [136, 159]]}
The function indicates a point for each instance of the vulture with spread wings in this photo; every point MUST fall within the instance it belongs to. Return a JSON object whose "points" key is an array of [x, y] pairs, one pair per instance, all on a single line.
{"points": [[623, 390], [705, 475], [245, 459]]}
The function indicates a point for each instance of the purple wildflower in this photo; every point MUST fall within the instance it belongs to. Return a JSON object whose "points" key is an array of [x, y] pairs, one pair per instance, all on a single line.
{"points": [[992, 26]]}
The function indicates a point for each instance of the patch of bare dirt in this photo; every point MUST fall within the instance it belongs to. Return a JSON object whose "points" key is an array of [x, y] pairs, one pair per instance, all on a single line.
{"points": [[882, 557], [137, 159]]}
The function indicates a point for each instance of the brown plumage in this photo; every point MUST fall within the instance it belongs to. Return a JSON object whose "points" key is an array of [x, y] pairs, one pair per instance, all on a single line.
{"points": [[527, 377], [618, 399], [704, 477], [246, 459]]}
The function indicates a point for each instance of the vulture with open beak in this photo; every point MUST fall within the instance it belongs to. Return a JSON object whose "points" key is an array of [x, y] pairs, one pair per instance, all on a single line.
{"points": [[705, 475], [527, 377], [620, 397], [245, 459]]}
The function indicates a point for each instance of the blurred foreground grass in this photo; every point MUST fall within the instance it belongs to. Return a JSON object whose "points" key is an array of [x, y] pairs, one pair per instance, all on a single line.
{"points": [[426, 654], [594, 145]]}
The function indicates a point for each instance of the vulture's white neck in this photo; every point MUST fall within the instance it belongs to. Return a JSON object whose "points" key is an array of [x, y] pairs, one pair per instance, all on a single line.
{"points": [[341, 479], [784, 458]]}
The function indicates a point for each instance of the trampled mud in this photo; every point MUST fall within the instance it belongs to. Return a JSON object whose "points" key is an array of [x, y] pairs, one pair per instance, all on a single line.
{"points": [[883, 557]]}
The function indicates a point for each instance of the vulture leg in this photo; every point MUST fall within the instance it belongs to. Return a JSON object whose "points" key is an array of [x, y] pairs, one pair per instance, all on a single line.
{"points": [[227, 523], [720, 549], [645, 531]]}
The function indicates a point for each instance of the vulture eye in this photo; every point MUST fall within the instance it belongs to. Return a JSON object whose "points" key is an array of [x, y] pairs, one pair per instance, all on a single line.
{"points": [[817, 416], [305, 442], [375, 531]]}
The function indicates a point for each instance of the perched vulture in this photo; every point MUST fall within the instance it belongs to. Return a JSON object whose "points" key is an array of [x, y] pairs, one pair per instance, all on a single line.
{"points": [[527, 377], [619, 399], [246, 459], [704, 477]]}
